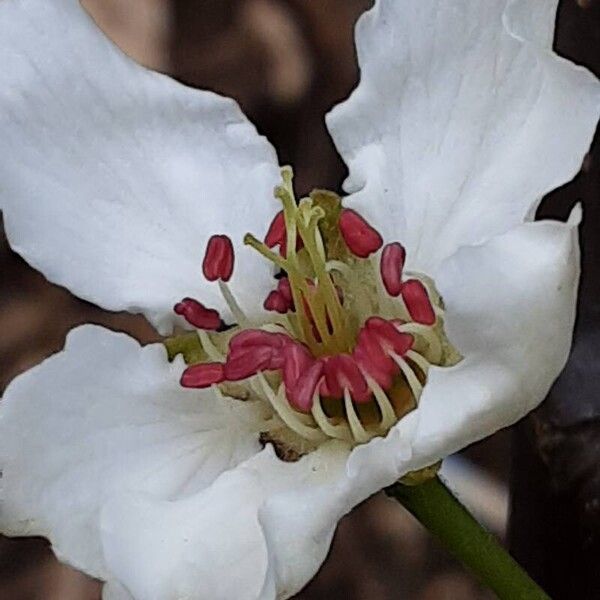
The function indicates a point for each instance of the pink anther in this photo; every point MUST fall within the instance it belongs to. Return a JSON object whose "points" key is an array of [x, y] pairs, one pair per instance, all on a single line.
{"points": [[391, 265], [360, 237], [203, 375], [198, 315], [341, 373], [417, 302], [218, 259]]}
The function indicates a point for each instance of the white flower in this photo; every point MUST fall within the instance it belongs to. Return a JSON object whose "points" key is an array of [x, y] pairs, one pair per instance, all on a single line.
{"points": [[112, 181]]}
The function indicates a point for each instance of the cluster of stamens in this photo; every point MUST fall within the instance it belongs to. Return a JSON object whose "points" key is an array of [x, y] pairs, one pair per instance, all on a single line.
{"points": [[350, 336]]}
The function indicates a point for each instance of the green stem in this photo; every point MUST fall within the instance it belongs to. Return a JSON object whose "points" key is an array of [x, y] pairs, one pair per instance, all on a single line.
{"points": [[434, 505]]}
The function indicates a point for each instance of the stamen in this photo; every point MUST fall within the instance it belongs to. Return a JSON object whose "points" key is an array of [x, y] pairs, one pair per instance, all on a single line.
{"points": [[198, 315], [247, 362], [372, 359], [360, 237], [301, 394], [280, 300], [419, 360], [389, 336], [276, 235], [287, 415], [218, 259], [275, 302], [202, 376], [388, 416], [427, 334], [254, 350], [417, 302], [284, 288], [412, 380], [233, 305], [358, 431], [339, 431], [342, 373], [391, 265], [207, 345], [296, 361]]}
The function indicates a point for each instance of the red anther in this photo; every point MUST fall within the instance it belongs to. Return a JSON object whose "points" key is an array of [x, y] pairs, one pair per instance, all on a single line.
{"points": [[296, 360], [203, 375], [372, 359], [301, 375], [417, 302], [359, 236], [391, 265], [342, 372], [218, 259], [302, 394], [247, 362], [280, 299], [276, 302], [285, 289], [277, 235], [197, 314], [254, 350], [252, 338], [388, 336], [277, 232]]}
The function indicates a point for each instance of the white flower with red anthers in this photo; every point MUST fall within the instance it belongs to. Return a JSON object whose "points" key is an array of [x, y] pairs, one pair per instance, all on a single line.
{"points": [[115, 180]]}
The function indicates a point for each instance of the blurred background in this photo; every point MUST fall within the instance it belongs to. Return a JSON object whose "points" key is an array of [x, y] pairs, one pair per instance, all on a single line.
{"points": [[287, 62]]}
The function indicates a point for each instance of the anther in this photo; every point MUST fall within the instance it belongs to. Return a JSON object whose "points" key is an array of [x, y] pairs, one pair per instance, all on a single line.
{"points": [[203, 376], [254, 350], [388, 336], [372, 359], [276, 235], [275, 302], [280, 300], [301, 375], [247, 362], [417, 302], [218, 259], [360, 237], [285, 289], [198, 315], [391, 265], [341, 373]]}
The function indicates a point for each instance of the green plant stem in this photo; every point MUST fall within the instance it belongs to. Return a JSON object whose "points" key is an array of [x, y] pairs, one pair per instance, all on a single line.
{"points": [[434, 505]]}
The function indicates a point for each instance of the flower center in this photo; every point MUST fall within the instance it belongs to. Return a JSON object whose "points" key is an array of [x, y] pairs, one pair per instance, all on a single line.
{"points": [[350, 336]]}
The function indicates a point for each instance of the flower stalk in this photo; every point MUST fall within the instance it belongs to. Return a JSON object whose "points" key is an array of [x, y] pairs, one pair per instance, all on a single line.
{"points": [[434, 505]]}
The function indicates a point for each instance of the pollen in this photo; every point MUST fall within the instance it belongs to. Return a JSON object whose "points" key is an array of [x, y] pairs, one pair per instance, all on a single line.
{"points": [[349, 336]]}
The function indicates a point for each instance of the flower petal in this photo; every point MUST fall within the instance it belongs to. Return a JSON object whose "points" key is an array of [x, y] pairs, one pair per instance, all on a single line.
{"points": [[113, 177], [462, 121], [105, 417], [259, 531], [510, 310]]}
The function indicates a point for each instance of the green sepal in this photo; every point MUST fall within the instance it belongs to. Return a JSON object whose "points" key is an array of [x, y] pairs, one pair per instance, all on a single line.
{"points": [[188, 345]]}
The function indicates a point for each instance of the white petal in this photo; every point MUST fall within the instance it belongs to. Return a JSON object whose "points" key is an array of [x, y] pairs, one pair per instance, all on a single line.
{"points": [[104, 417], [510, 311], [260, 531], [462, 121], [113, 177]]}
